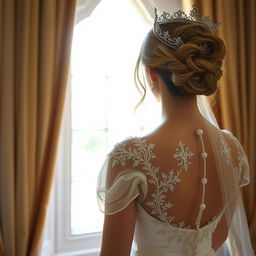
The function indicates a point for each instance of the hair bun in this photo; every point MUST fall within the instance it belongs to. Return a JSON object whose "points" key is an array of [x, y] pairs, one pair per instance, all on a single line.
{"points": [[199, 70], [195, 67]]}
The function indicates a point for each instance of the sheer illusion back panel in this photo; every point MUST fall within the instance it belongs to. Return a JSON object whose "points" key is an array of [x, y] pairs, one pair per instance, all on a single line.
{"points": [[175, 190], [170, 162]]}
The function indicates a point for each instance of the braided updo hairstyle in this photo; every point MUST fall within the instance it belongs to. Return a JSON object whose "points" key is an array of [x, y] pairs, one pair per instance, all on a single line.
{"points": [[194, 68]]}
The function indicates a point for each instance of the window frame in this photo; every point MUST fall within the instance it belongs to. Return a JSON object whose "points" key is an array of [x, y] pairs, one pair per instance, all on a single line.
{"points": [[64, 240], [58, 240]]}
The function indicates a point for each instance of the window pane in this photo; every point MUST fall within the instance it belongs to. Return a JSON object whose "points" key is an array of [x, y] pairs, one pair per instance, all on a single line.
{"points": [[104, 52], [89, 101], [88, 149]]}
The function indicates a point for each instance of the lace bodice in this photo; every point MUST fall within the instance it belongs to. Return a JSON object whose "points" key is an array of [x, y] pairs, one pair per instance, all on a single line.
{"points": [[165, 182], [153, 237], [135, 173]]}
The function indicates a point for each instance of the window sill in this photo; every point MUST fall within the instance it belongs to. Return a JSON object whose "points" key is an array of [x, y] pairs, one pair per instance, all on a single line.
{"points": [[89, 252]]}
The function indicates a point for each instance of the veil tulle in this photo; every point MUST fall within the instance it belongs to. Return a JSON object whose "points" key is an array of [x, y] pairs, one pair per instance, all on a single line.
{"points": [[231, 178]]}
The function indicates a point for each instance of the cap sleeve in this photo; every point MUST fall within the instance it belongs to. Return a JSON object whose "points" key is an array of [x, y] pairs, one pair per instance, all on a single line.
{"points": [[119, 182], [241, 161]]}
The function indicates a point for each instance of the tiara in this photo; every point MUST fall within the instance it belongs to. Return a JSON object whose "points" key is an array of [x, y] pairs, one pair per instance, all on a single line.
{"points": [[179, 16]]}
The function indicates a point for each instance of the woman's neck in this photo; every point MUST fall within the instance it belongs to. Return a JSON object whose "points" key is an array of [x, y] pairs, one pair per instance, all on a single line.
{"points": [[179, 109]]}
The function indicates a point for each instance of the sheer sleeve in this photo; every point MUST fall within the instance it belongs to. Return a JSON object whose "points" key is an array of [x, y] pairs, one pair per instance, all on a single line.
{"points": [[240, 160], [119, 182]]}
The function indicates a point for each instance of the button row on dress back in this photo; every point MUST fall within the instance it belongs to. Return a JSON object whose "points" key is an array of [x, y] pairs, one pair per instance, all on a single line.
{"points": [[203, 180]]}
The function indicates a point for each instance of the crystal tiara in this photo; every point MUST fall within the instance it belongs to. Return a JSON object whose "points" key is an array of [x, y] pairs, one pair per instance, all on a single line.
{"points": [[179, 16]]}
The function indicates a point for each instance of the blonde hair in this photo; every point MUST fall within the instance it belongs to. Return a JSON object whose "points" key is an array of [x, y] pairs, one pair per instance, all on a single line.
{"points": [[189, 70]]}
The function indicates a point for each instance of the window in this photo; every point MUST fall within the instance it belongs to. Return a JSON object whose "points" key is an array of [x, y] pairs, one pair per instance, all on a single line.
{"points": [[103, 95], [98, 113]]}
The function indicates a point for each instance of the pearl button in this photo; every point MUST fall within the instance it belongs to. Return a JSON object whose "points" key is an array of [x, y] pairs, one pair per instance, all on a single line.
{"points": [[204, 180], [199, 132], [202, 206], [204, 155]]}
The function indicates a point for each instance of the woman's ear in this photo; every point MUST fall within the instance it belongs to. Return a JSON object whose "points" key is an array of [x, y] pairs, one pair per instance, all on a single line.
{"points": [[154, 82], [152, 75]]}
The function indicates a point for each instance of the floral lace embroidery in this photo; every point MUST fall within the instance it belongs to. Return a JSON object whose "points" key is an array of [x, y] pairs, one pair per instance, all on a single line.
{"points": [[242, 159], [142, 155], [183, 154], [226, 152]]}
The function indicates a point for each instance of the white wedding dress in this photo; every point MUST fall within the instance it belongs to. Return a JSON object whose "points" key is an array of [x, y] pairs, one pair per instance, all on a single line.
{"points": [[133, 170]]}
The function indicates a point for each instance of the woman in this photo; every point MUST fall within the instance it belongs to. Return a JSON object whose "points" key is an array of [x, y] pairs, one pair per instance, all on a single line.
{"points": [[176, 191]]}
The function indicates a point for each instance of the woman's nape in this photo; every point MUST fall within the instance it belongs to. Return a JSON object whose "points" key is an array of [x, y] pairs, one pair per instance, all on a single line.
{"points": [[174, 108]]}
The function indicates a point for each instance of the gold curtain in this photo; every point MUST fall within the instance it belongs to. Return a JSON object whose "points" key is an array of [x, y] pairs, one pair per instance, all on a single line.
{"points": [[235, 102], [35, 44]]}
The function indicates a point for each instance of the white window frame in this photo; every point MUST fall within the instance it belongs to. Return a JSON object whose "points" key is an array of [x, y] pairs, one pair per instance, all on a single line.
{"points": [[64, 240], [58, 240]]}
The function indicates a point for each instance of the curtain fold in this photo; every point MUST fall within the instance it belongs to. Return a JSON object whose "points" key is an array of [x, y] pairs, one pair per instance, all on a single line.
{"points": [[35, 46], [235, 103]]}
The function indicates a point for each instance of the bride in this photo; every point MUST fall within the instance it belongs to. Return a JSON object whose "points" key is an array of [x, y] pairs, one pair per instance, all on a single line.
{"points": [[176, 191]]}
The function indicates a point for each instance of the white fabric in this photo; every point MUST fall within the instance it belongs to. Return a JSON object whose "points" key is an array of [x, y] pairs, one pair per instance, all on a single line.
{"points": [[122, 192], [154, 237], [119, 183]]}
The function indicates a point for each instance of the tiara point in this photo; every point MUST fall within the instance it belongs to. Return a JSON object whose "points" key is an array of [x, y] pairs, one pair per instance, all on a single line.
{"points": [[179, 16]]}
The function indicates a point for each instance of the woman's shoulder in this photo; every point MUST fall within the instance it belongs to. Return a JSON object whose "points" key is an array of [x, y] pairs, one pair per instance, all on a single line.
{"points": [[231, 139], [124, 152], [123, 144]]}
